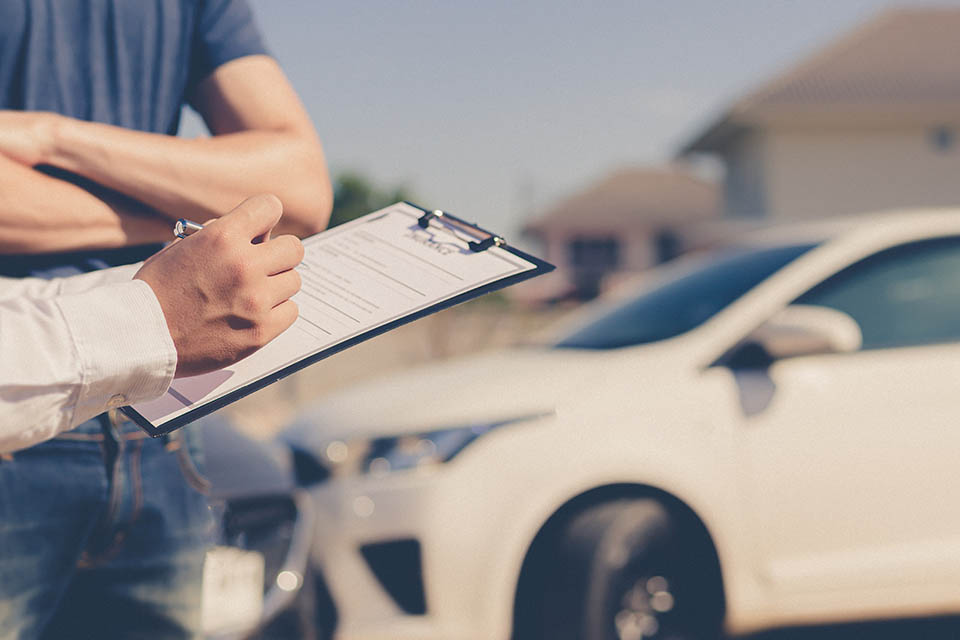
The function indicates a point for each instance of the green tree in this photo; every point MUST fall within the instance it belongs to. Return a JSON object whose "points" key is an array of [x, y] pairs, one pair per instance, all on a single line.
{"points": [[354, 195]]}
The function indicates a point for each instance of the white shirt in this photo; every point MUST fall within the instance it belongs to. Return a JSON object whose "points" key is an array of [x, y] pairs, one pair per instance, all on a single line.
{"points": [[71, 348]]}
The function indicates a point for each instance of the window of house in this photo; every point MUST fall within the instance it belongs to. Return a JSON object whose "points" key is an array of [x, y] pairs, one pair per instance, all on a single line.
{"points": [[595, 254], [908, 295], [667, 245]]}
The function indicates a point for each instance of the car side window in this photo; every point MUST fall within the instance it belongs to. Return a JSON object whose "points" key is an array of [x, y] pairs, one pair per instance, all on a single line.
{"points": [[904, 296]]}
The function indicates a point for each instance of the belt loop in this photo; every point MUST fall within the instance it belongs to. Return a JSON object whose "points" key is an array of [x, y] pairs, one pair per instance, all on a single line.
{"points": [[107, 426], [117, 418], [171, 441]]}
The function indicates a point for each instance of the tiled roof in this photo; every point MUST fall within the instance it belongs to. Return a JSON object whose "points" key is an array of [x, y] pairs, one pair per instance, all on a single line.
{"points": [[669, 195], [903, 64]]}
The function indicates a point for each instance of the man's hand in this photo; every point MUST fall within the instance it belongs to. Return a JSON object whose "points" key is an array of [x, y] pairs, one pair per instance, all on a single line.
{"points": [[224, 296]]}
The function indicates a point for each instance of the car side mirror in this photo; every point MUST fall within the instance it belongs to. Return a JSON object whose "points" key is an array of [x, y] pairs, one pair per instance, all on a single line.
{"points": [[799, 330]]}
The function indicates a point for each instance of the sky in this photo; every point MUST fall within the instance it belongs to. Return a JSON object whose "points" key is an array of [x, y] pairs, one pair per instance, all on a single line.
{"points": [[496, 110]]}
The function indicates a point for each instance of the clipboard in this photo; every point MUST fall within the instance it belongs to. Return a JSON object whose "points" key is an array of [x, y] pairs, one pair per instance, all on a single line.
{"points": [[468, 239]]}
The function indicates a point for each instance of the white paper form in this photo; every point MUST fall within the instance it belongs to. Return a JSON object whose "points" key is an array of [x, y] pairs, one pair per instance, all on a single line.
{"points": [[356, 277]]}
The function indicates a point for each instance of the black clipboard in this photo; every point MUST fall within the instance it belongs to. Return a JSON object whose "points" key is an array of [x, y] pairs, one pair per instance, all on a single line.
{"points": [[477, 240]]}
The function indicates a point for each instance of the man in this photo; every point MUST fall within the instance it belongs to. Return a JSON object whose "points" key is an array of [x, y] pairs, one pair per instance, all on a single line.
{"points": [[91, 176], [74, 347]]}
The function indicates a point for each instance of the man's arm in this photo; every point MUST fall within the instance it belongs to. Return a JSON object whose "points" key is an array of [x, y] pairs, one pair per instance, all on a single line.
{"points": [[200, 304], [263, 140], [39, 213]]}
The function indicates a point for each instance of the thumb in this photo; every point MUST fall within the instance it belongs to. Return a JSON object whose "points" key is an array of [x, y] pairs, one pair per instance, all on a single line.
{"points": [[254, 217]]}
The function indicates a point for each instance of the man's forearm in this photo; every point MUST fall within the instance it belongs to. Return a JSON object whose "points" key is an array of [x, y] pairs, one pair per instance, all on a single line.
{"points": [[39, 213], [201, 177]]}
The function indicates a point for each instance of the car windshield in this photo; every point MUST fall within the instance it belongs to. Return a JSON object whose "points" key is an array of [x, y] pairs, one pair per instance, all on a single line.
{"points": [[683, 300]]}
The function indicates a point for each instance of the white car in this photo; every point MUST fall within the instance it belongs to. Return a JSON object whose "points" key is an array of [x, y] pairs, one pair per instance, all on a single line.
{"points": [[766, 436]]}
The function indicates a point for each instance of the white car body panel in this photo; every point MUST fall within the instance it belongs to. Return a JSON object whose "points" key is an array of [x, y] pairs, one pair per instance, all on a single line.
{"points": [[810, 494]]}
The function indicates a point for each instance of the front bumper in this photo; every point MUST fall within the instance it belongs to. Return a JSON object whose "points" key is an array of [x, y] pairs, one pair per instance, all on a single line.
{"points": [[380, 540]]}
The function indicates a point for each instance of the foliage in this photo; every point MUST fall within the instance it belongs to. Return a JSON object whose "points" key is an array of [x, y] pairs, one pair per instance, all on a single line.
{"points": [[355, 195]]}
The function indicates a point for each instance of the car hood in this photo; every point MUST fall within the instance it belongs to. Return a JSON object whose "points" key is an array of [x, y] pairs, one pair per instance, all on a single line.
{"points": [[240, 467], [500, 386]]}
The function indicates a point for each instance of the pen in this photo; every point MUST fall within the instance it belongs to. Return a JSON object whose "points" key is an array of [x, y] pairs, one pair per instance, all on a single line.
{"points": [[183, 227]]}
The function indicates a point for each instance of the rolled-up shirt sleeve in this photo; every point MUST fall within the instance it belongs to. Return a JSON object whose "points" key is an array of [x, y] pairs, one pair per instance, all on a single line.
{"points": [[74, 349]]}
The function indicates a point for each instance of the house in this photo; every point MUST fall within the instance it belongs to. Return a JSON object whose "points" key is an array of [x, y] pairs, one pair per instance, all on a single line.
{"points": [[624, 224], [870, 122]]}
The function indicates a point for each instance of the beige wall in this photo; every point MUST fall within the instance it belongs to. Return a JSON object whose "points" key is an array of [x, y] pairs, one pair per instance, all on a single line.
{"points": [[637, 252], [555, 245], [812, 174]]}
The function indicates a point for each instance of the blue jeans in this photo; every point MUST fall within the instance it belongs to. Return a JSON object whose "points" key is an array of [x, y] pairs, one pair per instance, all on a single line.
{"points": [[103, 532]]}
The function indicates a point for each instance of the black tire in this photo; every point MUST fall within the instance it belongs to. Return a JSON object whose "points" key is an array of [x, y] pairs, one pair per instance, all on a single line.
{"points": [[624, 570]]}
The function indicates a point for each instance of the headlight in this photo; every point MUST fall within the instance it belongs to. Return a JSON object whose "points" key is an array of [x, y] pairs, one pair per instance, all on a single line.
{"points": [[387, 454]]}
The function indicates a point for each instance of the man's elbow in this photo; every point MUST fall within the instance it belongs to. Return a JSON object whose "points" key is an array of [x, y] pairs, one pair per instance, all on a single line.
{"points": [[319, 201], [318, 205], [308, 211], [307, 195], [315, 221]]}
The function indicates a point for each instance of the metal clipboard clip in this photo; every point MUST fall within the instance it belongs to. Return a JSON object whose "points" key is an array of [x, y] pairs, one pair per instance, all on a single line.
{"points": [[481, 239]]}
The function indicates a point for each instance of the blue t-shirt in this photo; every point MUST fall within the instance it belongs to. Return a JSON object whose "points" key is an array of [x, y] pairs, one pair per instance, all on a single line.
{"points": [[129, 63]]}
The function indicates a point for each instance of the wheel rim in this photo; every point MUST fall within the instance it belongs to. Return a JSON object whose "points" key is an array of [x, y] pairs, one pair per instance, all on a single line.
{"points": [[646, 609]]}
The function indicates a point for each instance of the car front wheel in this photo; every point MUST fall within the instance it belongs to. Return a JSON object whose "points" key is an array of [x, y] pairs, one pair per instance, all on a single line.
{"points": [[624, 570]]}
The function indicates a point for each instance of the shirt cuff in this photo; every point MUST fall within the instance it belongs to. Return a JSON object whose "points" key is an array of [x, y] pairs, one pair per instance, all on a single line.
{"points": [[123, 343]]}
